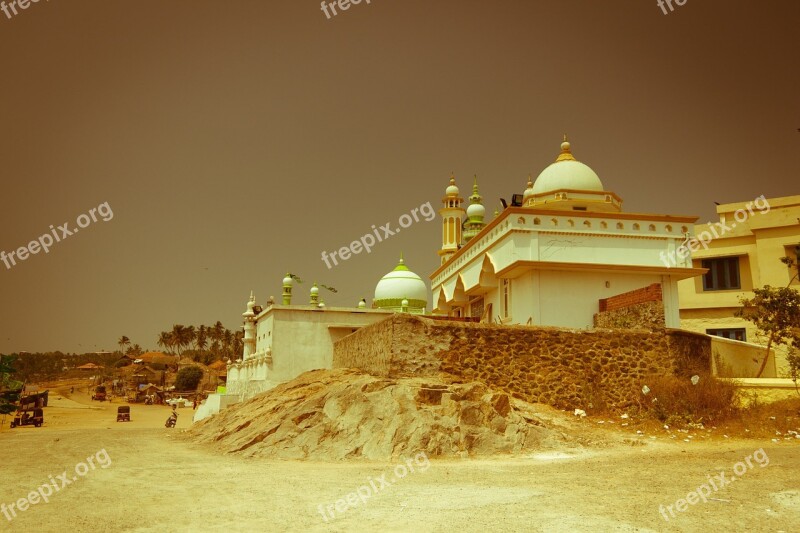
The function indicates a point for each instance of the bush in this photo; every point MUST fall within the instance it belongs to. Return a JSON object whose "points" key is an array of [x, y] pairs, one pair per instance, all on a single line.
{"points": [[676, 400], [188, 378]]}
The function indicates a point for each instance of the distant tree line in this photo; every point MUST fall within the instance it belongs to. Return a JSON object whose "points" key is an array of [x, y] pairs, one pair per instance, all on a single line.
{"points": [[204, 344], [30, 367]]}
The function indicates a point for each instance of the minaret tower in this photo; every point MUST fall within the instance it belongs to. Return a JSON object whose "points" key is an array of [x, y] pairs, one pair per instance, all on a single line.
{"points": [[287, 289], [475, 213], [451, 212], [249, 328], [526, 196]]}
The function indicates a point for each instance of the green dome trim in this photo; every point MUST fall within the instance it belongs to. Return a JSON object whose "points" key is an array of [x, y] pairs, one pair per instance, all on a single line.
{"points": [[398, 302]]}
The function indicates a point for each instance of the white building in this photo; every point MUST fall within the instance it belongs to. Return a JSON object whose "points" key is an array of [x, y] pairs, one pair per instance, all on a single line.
{"points": [[555, 252], [281, 341]]}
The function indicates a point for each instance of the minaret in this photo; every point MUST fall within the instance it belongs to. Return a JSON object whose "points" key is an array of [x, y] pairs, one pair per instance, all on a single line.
{"points": [[249, 328], [287, 289], [528, 192], [451, 212], [475, 213], [314, 295]]}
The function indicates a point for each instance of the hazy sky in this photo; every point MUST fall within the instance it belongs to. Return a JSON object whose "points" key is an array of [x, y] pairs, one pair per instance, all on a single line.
{"points": [[235, 141]]}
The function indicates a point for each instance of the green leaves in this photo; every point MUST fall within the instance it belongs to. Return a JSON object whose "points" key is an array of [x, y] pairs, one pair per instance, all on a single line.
{"points": [[9, 388], [775, 311]]}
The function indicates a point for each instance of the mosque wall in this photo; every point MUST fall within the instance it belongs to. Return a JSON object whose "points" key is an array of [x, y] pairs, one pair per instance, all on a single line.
{"points": [[560, 367]]}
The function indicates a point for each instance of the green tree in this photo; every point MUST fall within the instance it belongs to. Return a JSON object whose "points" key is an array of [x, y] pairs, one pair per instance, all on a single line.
{"points": [[134, 350], [165, 341], [123, 342], [188, 378], [775, 311], [9, 388]]}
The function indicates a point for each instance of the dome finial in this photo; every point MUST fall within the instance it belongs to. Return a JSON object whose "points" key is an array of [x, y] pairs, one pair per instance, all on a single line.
{"points": [[452, 189], [529, 191], [566, 153], [401, 258]]}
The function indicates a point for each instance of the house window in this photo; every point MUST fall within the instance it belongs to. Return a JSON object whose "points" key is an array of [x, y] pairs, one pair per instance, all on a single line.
{"points": [[734, 334], [476, 307], [506, 298], [723, 274]]}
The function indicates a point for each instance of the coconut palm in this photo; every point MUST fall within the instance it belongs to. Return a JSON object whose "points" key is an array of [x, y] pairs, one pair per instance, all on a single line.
{"points": [[123, 342], [164, 341], [201, 340]]}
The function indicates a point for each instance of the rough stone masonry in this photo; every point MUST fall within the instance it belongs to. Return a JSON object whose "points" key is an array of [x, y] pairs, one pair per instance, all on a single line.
{"points": [[559, 367]]}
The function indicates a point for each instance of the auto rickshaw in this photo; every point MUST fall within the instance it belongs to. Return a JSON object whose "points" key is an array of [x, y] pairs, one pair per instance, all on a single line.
{"points": [[28, 417], [124, 413]]}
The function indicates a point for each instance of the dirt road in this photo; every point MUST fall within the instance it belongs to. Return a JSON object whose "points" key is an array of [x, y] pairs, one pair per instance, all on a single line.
{"points": [[154, 481]]}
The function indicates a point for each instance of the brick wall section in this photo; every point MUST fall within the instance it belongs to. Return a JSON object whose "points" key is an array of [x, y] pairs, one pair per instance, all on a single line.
{"points": [[651, 293], [648, 315], [564, 368]]}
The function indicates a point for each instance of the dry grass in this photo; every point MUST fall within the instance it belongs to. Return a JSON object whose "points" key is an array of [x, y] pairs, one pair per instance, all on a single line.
{"points": [[677, 401]]}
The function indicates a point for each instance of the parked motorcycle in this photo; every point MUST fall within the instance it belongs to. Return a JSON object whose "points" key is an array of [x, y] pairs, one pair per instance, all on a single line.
{"points": [[172, 420]]}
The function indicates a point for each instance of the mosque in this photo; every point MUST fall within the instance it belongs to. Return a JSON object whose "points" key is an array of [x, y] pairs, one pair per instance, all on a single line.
{"points": [[559, 250], [550, 258]]}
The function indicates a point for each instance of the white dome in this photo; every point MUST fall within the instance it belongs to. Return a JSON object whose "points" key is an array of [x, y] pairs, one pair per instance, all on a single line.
{"points": [[529, 190], [451, 189], [401, 283], [476, 211], [567, 173]]}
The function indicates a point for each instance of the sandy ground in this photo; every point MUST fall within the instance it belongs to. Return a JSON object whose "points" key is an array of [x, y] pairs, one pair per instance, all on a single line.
{"points": [[155, 481]]}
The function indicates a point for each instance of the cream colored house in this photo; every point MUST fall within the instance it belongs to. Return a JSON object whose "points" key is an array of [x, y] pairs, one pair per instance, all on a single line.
{"points": [[550, 257], [741, 251]]}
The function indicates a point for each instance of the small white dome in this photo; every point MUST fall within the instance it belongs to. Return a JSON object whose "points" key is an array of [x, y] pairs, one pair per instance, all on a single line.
{"points": [[529, 190], [287, 280], [475, 211], [401, 283], [567, 173], [452, 190]]}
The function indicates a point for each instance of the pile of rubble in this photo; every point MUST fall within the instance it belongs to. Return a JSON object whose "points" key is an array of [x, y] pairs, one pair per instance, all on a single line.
{"points": [[339, 414]]}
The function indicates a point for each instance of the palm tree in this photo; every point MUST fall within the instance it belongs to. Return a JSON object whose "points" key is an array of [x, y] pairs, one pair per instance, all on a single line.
{"points": [[123, 342], [238, 342], [135, 350], [165, 341], [217, 332], [227, 342], [201, 340]]}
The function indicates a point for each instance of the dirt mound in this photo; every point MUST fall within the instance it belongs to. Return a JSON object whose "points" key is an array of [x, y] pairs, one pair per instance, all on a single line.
{"points": [[337, 414]]}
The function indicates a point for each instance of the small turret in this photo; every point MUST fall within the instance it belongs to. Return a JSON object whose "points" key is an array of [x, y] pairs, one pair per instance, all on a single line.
{"points": [[287, 289]]}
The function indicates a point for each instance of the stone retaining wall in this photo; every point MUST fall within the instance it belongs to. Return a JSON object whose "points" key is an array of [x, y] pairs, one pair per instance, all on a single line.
{"points": [[559, 367]]}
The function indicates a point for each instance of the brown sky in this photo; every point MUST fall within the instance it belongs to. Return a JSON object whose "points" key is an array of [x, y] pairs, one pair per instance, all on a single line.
{"points": [[236, 140]]}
